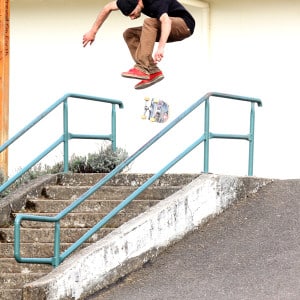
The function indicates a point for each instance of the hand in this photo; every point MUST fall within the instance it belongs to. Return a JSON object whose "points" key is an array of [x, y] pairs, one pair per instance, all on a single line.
{"points": [[89, 37], [158, 56]]}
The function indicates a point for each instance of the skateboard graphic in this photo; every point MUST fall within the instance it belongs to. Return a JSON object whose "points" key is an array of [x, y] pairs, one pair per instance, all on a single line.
{"points": [[155, 110]]}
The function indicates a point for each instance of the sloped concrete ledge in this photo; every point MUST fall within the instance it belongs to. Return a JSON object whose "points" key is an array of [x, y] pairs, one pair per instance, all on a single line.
{"points": [[134, 243]]}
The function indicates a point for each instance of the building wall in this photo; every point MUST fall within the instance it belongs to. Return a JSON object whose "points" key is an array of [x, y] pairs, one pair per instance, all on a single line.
{"points": [[254, 51], [250, 48]]}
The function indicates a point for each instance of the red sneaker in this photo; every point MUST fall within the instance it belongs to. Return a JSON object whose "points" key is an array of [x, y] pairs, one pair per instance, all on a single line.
{"points": [[155, 77], [135, 73]]}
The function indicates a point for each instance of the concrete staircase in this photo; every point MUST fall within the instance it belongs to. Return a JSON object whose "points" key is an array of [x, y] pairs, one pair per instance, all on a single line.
{"points": [[51, 197]]}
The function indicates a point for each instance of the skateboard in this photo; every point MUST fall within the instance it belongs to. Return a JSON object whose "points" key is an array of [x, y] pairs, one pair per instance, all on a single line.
{"points": [[155, 110]]}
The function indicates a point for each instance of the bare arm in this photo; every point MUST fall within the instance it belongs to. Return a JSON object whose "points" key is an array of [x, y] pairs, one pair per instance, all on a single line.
{"points": [[90, 36], [166, 24]]}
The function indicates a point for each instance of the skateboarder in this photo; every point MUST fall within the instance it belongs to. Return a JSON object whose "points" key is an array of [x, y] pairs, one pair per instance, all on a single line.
{"points": [[168, 22]]}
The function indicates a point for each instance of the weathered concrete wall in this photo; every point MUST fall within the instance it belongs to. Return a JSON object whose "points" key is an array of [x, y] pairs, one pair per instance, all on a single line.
{"points": [[134, 243]]}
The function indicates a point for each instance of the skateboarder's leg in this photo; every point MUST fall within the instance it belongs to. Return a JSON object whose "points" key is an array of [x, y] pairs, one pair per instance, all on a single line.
{"points": [[140, 42], [179, 30], [144, 51], [149, 35], [132, 39]]}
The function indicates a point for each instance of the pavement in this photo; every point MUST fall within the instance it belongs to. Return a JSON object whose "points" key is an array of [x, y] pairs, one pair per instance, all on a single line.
{"points": [[250, 251]]}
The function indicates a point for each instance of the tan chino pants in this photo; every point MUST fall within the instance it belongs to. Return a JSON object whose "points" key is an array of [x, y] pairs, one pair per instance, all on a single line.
{"points": [[141, 40]]}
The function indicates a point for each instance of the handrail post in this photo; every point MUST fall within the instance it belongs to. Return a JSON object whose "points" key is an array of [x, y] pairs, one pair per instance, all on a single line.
{"points": [[17, 238], [206, 135], [56, 257], [113, 128], [251, 140], [66, 135]]}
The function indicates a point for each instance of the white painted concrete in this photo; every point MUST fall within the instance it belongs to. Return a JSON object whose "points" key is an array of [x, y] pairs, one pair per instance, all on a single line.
{"points": [[135, 242], [242, 47]]}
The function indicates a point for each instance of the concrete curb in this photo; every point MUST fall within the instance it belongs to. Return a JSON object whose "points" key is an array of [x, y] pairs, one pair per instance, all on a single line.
{"points": [[128, 247]]}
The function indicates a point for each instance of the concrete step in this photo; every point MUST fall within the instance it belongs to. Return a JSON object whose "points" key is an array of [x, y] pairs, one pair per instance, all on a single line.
{"points": [[82, 220], [14, 275], [104, 206], [10, 294], [34, 250], [130, 179], [10, 265], [15, 281], [68, 235], [109, 192]]}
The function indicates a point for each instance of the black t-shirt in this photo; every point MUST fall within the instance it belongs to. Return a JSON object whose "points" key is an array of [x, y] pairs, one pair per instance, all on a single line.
{"points": [[155, 8]]}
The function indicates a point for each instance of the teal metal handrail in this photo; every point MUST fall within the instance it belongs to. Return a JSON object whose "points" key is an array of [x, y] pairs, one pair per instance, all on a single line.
{"points": [[59, 257], [66, 134]]}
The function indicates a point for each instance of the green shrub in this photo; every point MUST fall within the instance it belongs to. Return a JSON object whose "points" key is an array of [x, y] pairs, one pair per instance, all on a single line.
{"points": [[77, 164], [103, 161]]}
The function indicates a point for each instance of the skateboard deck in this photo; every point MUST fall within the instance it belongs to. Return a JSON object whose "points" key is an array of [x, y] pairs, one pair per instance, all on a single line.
{"points": [[155, 110]]}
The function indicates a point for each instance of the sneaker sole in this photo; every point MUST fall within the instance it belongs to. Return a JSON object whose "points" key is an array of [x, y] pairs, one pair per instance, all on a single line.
{"points": [[143, 86], [135, 77]]}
